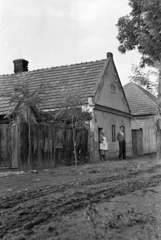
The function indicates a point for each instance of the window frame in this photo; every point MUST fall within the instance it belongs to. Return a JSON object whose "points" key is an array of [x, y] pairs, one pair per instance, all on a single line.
{"points": [[113, 88], [113, 128]]}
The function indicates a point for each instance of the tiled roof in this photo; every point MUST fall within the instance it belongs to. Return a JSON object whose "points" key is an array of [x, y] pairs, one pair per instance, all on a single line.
{"points": [[151, 96], [83, 77], [141, 102]]}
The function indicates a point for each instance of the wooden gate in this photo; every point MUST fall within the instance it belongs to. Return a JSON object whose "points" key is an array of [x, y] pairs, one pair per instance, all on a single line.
{"points": [[137, 141], [64, 147], [41, 138]]}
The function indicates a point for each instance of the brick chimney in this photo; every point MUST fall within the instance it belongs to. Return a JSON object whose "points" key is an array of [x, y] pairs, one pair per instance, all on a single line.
{"points": [[20, 65], [109, 55]]}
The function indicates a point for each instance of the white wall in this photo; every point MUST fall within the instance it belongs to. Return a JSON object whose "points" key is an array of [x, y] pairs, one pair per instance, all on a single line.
{"points": [[105, 120]]}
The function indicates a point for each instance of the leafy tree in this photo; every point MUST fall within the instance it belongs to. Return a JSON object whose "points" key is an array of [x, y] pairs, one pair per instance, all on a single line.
{"points": [[70, 112], [21, 100], [144, 79], [141, 30]]}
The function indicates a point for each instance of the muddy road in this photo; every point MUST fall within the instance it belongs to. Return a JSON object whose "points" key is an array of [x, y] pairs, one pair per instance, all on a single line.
{"points": [[47, 204]]}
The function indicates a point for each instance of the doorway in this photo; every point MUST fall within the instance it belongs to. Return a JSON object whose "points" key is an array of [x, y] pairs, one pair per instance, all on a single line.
{"points": [[137, 141]]}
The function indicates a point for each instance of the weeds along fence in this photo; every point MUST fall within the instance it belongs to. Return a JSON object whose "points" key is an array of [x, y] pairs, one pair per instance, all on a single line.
{"points": [[49, 145]]}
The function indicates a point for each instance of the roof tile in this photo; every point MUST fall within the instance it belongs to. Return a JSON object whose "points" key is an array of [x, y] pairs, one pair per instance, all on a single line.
{"points": [[141, 102], [83, 77]]}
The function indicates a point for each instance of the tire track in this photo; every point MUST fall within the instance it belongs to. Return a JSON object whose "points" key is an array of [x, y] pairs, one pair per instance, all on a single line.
{"points": [[27, 216], [15, 199]]}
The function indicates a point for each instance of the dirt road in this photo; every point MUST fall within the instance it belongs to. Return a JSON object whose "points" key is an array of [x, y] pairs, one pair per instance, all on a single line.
{"points": [[110, 200]]}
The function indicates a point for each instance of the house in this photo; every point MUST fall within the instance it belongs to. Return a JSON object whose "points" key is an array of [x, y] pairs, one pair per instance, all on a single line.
{"points": [[143, 106], [102, 92]]}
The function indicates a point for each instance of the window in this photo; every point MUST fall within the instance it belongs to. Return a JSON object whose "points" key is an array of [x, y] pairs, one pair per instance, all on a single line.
{"points": [[113, 133], [113, 88]]}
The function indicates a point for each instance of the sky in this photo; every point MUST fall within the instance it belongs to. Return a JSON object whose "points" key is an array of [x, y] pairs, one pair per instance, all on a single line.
{"points": [[50, 33]]}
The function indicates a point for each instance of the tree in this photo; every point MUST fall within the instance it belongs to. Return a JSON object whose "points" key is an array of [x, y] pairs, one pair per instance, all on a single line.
{"points": [[70, 112], [23, 97], [145, 79], [141, 30]]}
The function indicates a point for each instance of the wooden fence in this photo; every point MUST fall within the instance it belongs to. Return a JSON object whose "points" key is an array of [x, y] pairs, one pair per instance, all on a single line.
{"points": [[50, 145]]}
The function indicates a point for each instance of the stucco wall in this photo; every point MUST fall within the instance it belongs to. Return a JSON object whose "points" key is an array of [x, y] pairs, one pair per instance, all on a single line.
{"points": [[111, 99], [105, 120], [110, 92]]}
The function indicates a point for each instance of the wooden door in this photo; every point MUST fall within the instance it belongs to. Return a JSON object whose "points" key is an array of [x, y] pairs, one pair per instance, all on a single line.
{"points": [[149, 141], [137, 141]]}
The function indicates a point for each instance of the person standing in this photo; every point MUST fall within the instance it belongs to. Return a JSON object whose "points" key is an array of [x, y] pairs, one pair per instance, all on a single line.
{"points": [[103, 144], [122, 143]]}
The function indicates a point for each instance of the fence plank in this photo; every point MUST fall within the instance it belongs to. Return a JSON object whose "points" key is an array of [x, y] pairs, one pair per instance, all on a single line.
{"points": [[78, 144], [51, 160], [24, 146], [59, 144], [53, 145], [9, 154], [68, 147], [83, 146], [5, 146], [45, 146], [34, 145]]}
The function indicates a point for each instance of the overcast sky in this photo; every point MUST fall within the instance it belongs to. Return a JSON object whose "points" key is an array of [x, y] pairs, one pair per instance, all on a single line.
{"points": [[51, 33]]}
